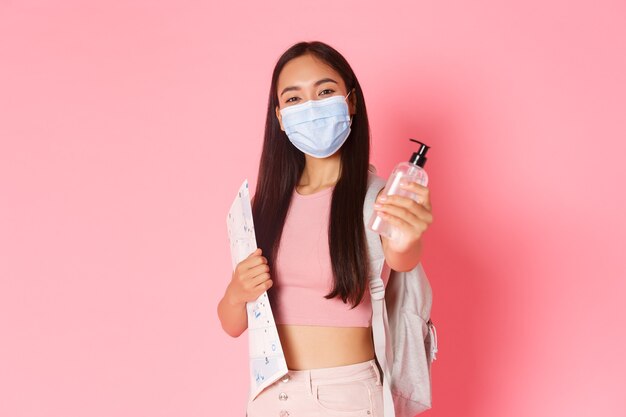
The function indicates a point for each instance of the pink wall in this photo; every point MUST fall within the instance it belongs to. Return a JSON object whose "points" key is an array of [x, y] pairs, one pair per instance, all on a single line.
{"points": [[126, 128]]}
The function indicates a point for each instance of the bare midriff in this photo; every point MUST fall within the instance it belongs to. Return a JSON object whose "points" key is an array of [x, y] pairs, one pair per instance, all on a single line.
{"points": [[309, 347]]}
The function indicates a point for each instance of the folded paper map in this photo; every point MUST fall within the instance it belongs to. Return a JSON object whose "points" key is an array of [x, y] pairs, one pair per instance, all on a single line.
{"points": [[267, 361]]}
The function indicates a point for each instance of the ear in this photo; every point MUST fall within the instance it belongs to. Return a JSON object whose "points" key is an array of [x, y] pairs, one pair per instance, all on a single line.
{"points": [[280, 118], [352, 100]]}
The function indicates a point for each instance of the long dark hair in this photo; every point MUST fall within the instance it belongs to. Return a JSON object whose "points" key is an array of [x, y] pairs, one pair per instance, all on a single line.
{"points": [[281, 166]]}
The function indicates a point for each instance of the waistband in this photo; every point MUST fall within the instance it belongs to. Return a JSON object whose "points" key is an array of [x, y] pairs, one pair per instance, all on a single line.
{"points": [[343, 373]]}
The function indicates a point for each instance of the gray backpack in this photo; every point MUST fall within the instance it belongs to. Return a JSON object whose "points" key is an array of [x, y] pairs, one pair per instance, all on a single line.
{"points": [[405, 338]]}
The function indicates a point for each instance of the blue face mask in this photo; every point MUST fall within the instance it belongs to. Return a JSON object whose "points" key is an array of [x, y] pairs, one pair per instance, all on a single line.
{"points": [[318, 127]]}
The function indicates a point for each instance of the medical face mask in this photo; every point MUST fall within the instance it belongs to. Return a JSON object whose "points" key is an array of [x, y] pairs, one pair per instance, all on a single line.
{"points": [[318, 127]]}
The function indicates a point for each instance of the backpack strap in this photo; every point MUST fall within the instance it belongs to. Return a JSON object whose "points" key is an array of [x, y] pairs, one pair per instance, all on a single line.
{"points": [[378, 270]]}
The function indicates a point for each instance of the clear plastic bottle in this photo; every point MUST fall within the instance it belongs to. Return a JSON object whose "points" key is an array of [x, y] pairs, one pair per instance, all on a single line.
{"points": [[413, 170]]}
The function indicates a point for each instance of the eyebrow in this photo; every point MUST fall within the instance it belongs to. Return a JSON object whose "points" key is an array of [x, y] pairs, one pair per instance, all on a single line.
{"points": [[323, 80]]}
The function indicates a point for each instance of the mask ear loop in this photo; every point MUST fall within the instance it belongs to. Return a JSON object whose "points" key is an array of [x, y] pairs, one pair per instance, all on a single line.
{"points": [[352, 115]]}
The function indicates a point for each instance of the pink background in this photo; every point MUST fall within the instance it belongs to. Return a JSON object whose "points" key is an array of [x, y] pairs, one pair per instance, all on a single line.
{"points": [[126, 128]]}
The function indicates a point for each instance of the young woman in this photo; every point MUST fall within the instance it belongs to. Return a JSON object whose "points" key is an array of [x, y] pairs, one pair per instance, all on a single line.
{"points": [[312, 256]]}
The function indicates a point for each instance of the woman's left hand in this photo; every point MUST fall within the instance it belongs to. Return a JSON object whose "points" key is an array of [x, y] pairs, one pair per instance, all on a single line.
{"points": [[407, 216]]}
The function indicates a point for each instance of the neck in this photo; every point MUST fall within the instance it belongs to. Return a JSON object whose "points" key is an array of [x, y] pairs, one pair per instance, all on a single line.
{"points": [[321, 172]]}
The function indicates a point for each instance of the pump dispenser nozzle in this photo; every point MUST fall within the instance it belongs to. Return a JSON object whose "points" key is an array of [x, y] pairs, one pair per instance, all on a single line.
{"points": [[419, 158]]}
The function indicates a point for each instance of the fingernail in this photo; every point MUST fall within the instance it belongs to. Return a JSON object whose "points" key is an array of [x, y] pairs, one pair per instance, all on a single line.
{"points": [[383, 198]]}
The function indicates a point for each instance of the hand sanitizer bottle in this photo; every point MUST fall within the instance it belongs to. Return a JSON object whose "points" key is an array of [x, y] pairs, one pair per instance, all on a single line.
{"points": [[413, 170]]}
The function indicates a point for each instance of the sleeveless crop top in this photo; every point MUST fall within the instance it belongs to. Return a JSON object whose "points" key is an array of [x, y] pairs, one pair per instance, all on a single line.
{"points": [[302, 272]]}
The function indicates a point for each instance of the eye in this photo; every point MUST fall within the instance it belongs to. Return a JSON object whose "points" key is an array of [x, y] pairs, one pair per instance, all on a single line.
{"points": [[327, 89], [289, 99]]}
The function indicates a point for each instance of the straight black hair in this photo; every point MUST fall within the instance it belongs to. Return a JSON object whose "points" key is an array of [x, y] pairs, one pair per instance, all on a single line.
{"points": [[281, 166]]}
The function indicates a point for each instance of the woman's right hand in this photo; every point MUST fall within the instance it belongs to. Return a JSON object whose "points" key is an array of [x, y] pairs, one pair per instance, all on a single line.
{"points": [[250, 279]]}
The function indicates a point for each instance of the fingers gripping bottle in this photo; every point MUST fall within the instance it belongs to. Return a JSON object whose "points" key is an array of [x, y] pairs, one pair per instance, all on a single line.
{"points": [[413, 170]]}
